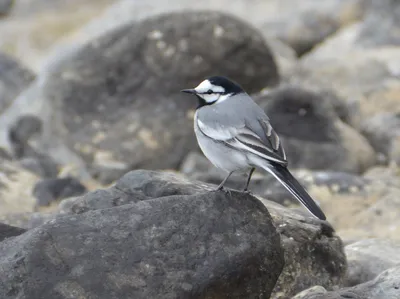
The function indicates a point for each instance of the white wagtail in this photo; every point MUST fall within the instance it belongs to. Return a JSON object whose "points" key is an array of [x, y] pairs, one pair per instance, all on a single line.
{"points": [[235, 134]]}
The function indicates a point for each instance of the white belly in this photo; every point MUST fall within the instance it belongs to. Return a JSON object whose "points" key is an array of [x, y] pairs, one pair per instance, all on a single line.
{"points": [[220, 155]]}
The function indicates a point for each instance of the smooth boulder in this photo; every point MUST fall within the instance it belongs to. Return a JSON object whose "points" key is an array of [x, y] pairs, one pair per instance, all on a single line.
{"points": [[207, 245], [313, 252], [115, 101]]}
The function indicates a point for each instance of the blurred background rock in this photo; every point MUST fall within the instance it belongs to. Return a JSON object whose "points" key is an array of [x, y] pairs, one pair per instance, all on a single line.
{"points": [[89, 90]]}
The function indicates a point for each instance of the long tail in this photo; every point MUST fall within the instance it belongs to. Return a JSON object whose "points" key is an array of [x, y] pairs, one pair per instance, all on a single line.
{"points": [[283, 175]]}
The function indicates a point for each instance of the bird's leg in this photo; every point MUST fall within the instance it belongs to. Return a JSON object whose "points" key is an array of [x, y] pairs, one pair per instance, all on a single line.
{"points": [[248, 180], [221, 186]]}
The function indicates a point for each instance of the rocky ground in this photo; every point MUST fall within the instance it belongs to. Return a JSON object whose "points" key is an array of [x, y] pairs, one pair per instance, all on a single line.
{"points": [[105, 194]]}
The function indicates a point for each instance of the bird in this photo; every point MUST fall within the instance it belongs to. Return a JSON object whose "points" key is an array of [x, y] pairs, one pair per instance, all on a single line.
{"points": [[236, 135]]}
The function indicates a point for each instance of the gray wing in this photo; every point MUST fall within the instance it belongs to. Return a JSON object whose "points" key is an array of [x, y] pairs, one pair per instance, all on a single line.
{"points": [[252, 133]]}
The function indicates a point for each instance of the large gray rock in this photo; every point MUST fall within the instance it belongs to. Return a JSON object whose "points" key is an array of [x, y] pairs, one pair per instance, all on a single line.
{"points": [[14, 78], [385, 286], [312, 133], [368, 258], [313, 252], [301, 26], [116, 101], [208, 245]]}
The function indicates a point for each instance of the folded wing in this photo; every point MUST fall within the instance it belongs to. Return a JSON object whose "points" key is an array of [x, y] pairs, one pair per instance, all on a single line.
{"points": [[243, 138]]}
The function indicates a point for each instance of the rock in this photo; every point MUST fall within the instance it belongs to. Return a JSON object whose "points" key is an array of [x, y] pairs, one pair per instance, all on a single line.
{"points": [[5, 7], [14, 78], [368, 258], [21, 134], [381, 24], [361, 62], [313, 252], [314, 23], [312, 134], [279, 19], [141, 250], [7, 231], [118, 121], [311, 291], [50, 190], [24, 128], [386, 285], [35, 25], [41, 165], [382, 131]]}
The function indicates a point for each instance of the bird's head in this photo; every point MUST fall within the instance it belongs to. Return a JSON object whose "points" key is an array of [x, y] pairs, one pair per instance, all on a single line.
{"points": [[214, 90]]}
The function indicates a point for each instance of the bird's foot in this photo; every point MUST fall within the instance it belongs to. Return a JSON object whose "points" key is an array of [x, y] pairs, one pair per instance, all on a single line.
{"points": [[223, 189], [246, 191]]}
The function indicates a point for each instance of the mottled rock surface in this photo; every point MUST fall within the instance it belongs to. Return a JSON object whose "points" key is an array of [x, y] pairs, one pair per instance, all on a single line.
{"points": [[97, 102], [313, 252], [208, 245]]}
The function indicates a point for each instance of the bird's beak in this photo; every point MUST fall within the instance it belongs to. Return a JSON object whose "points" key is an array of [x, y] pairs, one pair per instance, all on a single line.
{"points": [[192, 91]]}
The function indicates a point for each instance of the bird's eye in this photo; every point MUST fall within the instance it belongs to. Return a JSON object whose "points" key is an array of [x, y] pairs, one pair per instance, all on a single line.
{"points": [[209, 91]]}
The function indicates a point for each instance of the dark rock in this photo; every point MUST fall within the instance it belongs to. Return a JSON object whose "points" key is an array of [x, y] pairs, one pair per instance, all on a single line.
{"points": [[381, 130], [7, 231], [313, 253], [50, 190], [117, 116], [385, 286], [25, 127], [312, 134], [5, 7], [368, 258], [209, 245], [14, 78]]}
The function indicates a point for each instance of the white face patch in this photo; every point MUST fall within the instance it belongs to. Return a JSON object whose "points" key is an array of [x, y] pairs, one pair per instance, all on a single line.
{"points": [[203, 91], [206, 86]]}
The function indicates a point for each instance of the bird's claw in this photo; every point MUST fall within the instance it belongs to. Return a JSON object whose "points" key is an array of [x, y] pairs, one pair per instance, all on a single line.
{"points": [[226, 190], [246, 191]]}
